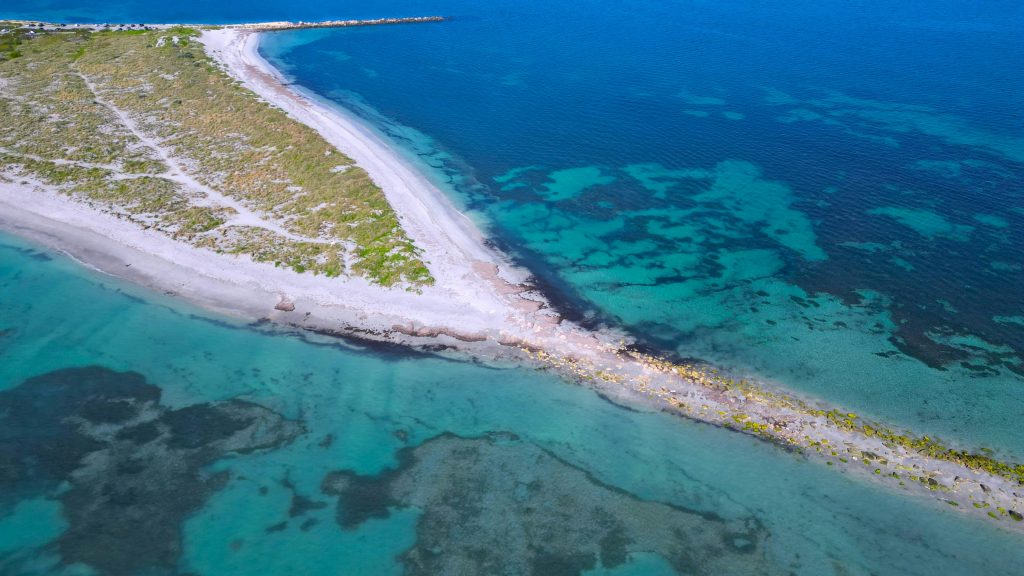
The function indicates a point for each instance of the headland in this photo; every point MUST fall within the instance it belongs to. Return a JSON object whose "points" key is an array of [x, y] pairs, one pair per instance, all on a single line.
{"points": [[255, 198]]}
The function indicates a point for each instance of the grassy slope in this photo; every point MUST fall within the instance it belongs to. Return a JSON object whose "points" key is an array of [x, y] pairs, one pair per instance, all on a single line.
{"points": [[222, 135]]}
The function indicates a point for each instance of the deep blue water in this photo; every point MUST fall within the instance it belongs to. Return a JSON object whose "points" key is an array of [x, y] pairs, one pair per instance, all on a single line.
{"points": [[823, 195], [819, 195]]}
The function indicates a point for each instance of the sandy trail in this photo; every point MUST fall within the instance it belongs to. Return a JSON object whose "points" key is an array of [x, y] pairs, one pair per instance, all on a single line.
{"points": [[202, 194]]}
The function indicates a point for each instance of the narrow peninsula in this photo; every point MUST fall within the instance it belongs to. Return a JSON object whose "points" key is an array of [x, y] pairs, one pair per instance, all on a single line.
{"points": [[176, 157]]}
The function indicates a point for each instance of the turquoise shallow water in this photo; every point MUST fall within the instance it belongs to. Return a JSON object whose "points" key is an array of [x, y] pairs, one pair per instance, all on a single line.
{"points": [[738, 503]]}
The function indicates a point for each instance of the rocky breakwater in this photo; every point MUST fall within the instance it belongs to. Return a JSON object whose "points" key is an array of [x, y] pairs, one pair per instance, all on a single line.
{"points": [[977, 483], [272, 26]]}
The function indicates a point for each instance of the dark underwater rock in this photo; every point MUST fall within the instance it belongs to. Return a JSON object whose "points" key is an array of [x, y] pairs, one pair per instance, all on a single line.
{"points": [[501, 505], [129, 469]]}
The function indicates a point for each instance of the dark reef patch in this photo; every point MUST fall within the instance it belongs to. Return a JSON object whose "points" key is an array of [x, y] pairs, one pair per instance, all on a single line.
{"points": [[300, 504], [127, 470], [499, 504]]}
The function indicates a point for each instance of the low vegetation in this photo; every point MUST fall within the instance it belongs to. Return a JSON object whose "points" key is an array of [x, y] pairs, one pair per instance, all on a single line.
{"points": [[142, 124]]}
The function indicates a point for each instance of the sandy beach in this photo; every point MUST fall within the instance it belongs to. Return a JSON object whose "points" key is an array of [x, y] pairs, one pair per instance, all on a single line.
{"points": [[478, 280], [478, 295]]}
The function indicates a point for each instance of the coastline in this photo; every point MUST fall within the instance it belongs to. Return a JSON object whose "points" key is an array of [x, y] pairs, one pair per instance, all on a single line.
{"points": [[480, 304], [452, 245], [478, 295]]}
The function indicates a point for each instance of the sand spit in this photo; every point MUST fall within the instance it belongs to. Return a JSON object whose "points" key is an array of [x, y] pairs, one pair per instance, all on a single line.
{"points": [[481, 304]]}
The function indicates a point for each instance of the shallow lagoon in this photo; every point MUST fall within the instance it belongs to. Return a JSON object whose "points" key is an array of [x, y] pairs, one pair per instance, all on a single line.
{"points": [[433, 443]]}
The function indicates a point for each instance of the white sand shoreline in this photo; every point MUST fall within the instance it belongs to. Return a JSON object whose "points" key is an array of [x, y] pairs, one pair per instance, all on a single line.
{"points": [[478, 295], [466, 271]]}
